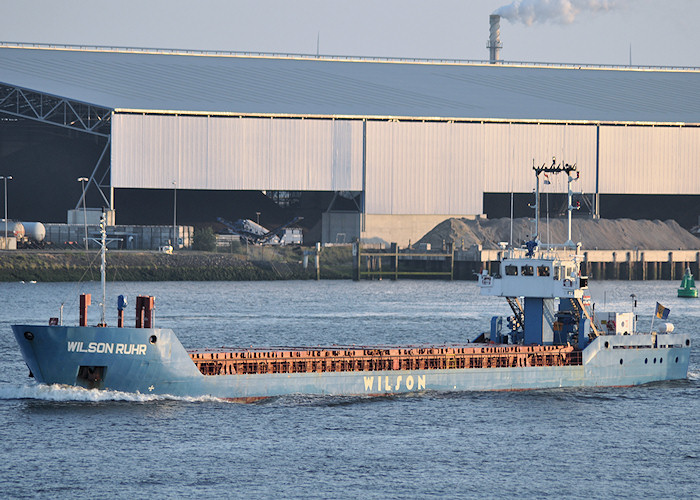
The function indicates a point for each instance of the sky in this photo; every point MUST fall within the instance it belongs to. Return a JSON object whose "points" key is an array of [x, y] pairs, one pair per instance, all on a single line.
{"points": [[658, 32]]}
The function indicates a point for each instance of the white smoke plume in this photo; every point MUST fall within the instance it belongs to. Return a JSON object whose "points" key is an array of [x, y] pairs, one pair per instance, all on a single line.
{"points": [[556, 11]]}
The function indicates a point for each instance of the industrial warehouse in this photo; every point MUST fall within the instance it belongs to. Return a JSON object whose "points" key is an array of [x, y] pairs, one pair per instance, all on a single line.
{"points": [[377, 149]]}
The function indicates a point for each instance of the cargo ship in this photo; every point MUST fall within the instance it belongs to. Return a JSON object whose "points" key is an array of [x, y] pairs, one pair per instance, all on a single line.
{"points": [[553, 339]]}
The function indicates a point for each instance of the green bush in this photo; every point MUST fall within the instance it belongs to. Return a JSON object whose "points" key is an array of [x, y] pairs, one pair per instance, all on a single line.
{"points": [[204, 239]]}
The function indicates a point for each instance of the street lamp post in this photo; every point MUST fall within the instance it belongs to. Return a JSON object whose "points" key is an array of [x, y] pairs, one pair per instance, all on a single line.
{"points": [[83, 180], [6, 178], [175, 215]]}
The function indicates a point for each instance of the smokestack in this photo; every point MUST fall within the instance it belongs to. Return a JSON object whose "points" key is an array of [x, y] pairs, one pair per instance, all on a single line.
{"points": [[494, 44]]}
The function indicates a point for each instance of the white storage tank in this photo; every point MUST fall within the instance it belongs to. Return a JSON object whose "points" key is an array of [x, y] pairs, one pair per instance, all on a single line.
{"points": [[35, 231], [13, 227]]}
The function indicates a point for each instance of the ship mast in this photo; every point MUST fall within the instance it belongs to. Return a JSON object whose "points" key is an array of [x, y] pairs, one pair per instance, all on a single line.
{"points": [[536, 238], [568, 169], [103, 265], [554, 168]]}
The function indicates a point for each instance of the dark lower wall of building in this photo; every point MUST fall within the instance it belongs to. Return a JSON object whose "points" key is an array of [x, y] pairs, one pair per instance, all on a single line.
{"points": [[156, 206], [45, 162], [197, 208], [684, 209]]}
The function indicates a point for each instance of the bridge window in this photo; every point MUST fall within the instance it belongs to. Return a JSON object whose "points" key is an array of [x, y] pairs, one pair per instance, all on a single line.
{"points": [[511, 270], [527, 271], [542, 270]]}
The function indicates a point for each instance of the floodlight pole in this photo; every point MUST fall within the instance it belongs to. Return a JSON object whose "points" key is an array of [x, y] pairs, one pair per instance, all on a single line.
{"points": [[6, 178], [174, 242], [82, 181]]}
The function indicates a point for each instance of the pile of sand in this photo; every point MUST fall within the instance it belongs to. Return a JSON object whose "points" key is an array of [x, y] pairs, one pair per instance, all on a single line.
{"points": [[600, 234]]}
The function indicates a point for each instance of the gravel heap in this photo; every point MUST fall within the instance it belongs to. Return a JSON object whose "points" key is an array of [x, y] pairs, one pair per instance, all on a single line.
{"points": [[600, 234]]}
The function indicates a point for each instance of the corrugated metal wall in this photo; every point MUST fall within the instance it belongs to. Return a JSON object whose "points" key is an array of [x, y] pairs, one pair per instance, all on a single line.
{"points": [[511, 148], [152, 151], [633, 159], [646, 159], [424, 168], [411, 167], [444, 168]]}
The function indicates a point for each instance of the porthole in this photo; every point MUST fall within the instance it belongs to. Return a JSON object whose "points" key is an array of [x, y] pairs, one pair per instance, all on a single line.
{"points": [[620, 360], [153, 339], [676, 359], [646, 360], [661, 360], [687, 341], [607, 344], [29, 335], [654, 360]]}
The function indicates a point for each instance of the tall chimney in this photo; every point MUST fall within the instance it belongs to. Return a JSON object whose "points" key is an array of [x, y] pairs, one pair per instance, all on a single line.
{"points": [[494, 44]]}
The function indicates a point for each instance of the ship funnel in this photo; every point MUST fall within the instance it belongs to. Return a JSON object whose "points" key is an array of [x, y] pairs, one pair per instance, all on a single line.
{"points": [[494, 44]]}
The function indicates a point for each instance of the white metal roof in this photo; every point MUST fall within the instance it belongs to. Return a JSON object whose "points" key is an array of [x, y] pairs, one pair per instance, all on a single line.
{"points": [[127, 79]]}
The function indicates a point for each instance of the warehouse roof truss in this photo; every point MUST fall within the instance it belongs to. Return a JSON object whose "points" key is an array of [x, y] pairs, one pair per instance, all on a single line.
{"points": [[350, 195], [100, 180], [53, 110]]}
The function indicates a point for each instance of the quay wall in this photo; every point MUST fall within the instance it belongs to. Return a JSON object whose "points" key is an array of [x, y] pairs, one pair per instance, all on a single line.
{"points": [[336, 262], [446, 263], [621, 264]]}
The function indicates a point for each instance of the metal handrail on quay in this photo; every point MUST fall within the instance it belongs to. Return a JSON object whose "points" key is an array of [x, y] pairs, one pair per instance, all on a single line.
{"points": [[463, 263], [391, 259]]}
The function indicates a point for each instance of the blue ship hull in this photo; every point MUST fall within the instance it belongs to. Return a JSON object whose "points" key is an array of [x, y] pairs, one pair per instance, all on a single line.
{"points": [[153, 361]]}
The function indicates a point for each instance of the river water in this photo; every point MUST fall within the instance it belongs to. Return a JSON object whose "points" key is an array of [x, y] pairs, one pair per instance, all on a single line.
{"points": [[576, 443]]}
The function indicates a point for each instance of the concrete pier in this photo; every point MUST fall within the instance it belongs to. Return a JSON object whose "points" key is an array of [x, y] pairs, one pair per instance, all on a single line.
{"points": [[464, 264]]}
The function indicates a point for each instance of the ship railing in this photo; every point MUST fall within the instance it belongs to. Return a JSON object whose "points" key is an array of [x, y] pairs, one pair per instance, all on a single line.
{"points": [[286, 362], [545, 251]]}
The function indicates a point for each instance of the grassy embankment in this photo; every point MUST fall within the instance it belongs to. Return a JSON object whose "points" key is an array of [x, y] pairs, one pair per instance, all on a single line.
{"points": [[255, 263]]}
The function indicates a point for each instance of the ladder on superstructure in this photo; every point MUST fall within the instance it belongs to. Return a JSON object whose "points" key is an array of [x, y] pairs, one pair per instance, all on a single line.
{"points": [[517, 309], [579, 308]]}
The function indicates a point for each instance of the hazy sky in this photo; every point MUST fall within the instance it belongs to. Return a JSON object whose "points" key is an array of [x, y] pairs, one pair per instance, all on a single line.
{"points": [[660, 32]]}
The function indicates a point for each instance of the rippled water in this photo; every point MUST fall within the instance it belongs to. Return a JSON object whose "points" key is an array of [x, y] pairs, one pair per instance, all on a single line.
{"points": [[620, 442]]}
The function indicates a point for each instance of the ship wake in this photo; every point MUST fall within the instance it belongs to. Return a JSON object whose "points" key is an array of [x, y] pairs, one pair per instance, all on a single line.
{"points": [[65, 393]]}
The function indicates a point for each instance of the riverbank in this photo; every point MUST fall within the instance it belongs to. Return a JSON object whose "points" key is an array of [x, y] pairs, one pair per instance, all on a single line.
{"points": [[256, 263]]}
